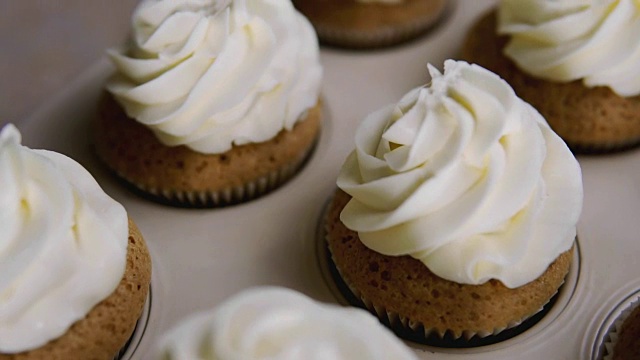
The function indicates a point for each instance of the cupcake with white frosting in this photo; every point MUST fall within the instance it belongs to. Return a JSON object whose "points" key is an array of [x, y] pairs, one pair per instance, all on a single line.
{"points": [[457, 210], [74, 270], [574, 61], [213, 102], [363, 24], [279, 323]]}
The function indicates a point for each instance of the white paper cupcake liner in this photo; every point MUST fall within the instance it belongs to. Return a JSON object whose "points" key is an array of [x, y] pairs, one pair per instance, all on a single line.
{"points": [[611, 337]]}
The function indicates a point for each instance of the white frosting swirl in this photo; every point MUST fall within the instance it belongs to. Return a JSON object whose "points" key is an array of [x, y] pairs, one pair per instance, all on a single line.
{"points": [[63, 244], [281, 324], [208, 74], [594, 40], [465, 177]]}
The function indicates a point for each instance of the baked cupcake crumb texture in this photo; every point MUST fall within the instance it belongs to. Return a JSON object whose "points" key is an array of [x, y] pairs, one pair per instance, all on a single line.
{"points": [[206, 116], [180, 176], [457, 209], [424, 302], [108, 326], [61, 227], [359, 24]]}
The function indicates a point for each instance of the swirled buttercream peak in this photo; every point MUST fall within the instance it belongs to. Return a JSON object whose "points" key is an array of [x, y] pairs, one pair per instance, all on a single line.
{"points": [[465, 177], [63, 244], [212, 74], [281, 324]]}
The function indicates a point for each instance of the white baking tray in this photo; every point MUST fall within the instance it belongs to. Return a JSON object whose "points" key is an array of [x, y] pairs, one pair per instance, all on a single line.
{"points": [[201, 257]]}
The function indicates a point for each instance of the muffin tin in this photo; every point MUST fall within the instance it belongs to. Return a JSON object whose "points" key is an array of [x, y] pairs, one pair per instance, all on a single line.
{"points": [[201, 257]]}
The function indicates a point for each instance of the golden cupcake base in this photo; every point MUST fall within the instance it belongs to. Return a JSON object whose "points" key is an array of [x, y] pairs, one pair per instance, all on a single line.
{"points": [[422, 307], [179, 176], [347, 23], [107, 328]]}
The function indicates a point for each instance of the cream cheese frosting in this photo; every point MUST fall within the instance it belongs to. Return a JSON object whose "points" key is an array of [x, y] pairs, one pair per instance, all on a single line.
{"points": [[209, 74], [594, 40], [465, 177], [63, 244], [280, 324]]}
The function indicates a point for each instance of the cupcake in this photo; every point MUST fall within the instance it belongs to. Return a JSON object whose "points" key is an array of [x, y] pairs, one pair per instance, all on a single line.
{"points": [[74, 270], [456, 213], [213, 102], [574, 61], [370, 23], [624, 336], [279, 323]]}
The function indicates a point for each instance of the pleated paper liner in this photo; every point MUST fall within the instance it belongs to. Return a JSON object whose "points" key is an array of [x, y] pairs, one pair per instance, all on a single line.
{"points": [[417, 333], [181, 177], [613, 325], [224, 197]]}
